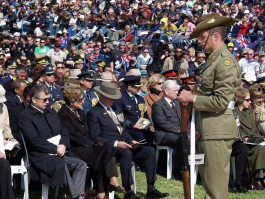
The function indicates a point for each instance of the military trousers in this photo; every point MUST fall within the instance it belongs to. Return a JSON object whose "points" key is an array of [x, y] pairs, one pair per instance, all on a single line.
{"points": [[216, 169]]}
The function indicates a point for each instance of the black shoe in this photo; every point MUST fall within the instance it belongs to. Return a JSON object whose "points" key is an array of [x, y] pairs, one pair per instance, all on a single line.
{"points": [[131, 195], [118, 189], [156, 194], [237, 189]]}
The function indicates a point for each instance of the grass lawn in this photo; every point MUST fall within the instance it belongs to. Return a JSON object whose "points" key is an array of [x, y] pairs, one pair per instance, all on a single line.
{"points": [[173, 187]]}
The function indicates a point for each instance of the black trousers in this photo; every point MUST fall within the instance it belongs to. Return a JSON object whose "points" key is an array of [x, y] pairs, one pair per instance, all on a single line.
{"points": [[144, 153], [173, 141], [240, 152], [6, 189]]}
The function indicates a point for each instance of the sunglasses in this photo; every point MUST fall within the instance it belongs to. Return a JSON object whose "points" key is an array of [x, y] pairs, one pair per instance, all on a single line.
{"points": [[201, 57], [60, 67], [160, 83], [247, 100], [43, 100], [50, 74], [145, 52], [178, 51], [42, 42]]}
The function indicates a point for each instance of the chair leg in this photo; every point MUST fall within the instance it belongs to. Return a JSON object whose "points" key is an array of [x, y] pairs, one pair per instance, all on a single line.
{"points": [[26, 185], [157, 155], [169, 163], [45, 192], [134, 178], [111, 195]]}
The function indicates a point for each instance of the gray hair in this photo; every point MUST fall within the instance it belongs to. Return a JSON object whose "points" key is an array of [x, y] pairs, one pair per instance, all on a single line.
{"points": [[38, 89], [168, 84]]}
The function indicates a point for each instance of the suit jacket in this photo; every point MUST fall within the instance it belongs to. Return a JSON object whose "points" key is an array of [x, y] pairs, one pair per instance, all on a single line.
{"points": [[12, 100], [220, 78], [165, 120], [103, 128], [36, 128]]}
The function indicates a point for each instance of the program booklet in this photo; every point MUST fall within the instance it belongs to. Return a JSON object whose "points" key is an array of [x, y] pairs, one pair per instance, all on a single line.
{"points": [[144, 123]]}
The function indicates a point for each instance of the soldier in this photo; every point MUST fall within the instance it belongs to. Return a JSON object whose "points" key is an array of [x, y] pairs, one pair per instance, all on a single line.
{"points": [[90, 97], [49, 76], [214, 104]]}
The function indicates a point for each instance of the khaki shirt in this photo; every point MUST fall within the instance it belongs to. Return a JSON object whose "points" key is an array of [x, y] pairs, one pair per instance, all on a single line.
{"points": [[220, 78]]}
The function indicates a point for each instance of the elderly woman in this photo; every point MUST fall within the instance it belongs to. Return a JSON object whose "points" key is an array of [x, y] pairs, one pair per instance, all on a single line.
{"points": [[98, 157], [250, 134]]}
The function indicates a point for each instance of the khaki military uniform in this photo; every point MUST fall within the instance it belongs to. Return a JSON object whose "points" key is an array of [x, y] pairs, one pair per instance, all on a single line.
{"points": [[215, 120]]}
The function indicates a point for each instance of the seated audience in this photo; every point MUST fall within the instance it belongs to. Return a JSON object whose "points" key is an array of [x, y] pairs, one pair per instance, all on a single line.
{"points": [[249, 133], [106, 124], [98, 157], [38, 124]]}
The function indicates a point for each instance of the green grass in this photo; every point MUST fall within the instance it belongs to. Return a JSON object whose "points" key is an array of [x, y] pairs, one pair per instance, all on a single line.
{"points": [[173, 187]]}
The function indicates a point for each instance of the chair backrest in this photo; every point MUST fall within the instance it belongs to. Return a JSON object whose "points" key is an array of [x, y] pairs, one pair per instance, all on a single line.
{"points": [[27, 164]]}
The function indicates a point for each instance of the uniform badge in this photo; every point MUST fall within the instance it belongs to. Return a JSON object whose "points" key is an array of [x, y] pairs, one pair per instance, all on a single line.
{"points": [[227, 62], [129, 106], [211, 20], [94, 101], [120, 117]]}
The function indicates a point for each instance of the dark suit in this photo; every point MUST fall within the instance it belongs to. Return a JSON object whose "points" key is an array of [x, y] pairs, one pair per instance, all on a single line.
{"points": [[12, 100], [36, 128], [6, 189], [167, 125], [103, 129], [128, 106]]}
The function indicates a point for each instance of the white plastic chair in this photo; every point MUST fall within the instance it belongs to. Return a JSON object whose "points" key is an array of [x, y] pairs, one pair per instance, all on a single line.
{"points": [[21, 169], [112, 194], [169, 158]]}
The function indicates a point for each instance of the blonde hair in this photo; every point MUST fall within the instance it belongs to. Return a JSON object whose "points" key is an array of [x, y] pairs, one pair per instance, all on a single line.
{"points": [[72, 94], [153, 80]]}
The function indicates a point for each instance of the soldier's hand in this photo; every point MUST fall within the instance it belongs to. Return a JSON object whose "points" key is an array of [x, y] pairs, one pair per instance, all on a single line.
{"points": [[122, 144], [185, 96]]}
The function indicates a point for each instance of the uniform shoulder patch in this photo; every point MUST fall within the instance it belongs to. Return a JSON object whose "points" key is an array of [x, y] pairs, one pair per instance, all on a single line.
{"points": [[227, 62]]}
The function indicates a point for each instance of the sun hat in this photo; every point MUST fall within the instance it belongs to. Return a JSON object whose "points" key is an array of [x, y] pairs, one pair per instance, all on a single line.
{"points": [[108, 90]]}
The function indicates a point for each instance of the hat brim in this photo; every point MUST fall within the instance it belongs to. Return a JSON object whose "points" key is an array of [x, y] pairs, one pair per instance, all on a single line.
{"points": [[211, 23], [130, 78], [114, 97]]}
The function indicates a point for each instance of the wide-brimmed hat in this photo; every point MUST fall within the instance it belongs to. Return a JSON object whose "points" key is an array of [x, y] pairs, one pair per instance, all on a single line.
{"points": [[109, 90], [210, 22], [73, 83], [2, 94], [106, 77]]}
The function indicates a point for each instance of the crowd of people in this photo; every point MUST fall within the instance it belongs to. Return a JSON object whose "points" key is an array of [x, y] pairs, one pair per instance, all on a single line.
{"points": [[104, 76]]}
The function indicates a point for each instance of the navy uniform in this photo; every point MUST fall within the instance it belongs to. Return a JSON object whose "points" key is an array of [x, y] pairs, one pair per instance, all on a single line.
{"points": [[97, 75], [11, 65], [133, 107], [54, 90], [90, 97], [16, 48]]}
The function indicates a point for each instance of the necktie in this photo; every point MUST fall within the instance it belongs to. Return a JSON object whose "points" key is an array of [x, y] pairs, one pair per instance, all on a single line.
{"points": [[115, 120], [174, 107]]}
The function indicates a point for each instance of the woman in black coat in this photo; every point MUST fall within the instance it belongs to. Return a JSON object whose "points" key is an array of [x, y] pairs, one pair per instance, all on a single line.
{"points": [[98, 157]]}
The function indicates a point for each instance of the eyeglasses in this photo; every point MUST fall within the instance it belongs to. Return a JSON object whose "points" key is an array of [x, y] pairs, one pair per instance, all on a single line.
{"points": [[42, 42], [201, 57], [60, 67], [249, 54], [160, 83], [43, 100], [145, 52], [178, 51], [50, 75], [247, 100]]}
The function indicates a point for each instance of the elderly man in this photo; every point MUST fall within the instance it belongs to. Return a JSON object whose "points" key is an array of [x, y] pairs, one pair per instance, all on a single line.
{"points": [[106, 124], [214, 104], [53, 159], [166, 117]]}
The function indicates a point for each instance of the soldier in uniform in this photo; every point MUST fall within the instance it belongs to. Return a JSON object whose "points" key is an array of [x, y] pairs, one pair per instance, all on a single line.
{"points": [[214, 104], [90, 97], [49, 82], [16, 46], [133, 107]]}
